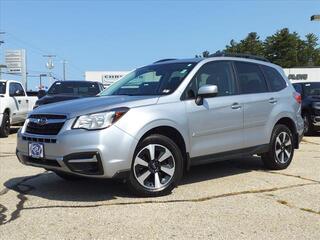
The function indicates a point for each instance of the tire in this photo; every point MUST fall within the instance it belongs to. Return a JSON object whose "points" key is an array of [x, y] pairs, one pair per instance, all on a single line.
{"points": [[281, 149], [5, 125], [67, 176], [308, 127], [157, 167]]}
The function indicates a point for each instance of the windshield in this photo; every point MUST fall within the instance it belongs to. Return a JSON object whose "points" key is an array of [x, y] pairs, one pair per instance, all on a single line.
{"points": [[2, 87], [74, 88], [312, 89], [158, 79]]}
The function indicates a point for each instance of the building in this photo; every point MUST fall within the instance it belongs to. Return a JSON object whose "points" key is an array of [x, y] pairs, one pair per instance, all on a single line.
{"points": [[105, 77], [303, 73]]}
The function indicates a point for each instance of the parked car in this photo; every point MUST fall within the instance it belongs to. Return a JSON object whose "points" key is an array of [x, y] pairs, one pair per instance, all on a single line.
{"points": [[310, 93], [14, 105], [68, 90], [157, 121]]}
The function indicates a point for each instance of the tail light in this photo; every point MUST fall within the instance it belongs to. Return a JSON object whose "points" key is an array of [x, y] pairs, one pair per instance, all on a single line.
{"points": [[297, 97]]}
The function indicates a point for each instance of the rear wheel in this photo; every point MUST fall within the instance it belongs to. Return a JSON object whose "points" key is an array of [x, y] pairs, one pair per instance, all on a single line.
{"points": [[5, 125], [156, 168], [281, 149]]}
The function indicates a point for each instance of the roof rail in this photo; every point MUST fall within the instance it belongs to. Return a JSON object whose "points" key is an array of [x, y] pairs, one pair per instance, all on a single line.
{"points": [[239, 55], [165, 60]]}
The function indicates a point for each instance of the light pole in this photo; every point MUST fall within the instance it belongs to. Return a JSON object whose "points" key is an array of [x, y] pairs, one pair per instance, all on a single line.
{"points": [[41, 75], [64, 62]]}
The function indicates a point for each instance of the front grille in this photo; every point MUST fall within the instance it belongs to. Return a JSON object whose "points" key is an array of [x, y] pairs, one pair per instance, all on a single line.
{"points": [[45, 124], [51, 116], [41, 140]]}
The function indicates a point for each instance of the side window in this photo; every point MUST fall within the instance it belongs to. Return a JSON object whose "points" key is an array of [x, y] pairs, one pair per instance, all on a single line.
{"points": [[213, 73], [12, 89], [275, 80], [250, 77], [20, 89], [15, 89]]}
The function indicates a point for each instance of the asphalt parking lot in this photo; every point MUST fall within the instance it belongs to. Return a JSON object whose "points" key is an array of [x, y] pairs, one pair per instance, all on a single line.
{"points": [[236, 199]]}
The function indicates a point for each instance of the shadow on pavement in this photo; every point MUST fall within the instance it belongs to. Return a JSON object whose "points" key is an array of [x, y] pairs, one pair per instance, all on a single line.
{"points": [[50, 186]]}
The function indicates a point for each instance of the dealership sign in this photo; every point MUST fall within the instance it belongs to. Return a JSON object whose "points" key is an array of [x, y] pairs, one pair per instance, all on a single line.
{"points": [[15, 60], [298, 76]]}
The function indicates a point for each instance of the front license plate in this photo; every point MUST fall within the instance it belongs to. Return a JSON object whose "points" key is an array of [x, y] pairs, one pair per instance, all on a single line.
{"points": [[36, 150]]}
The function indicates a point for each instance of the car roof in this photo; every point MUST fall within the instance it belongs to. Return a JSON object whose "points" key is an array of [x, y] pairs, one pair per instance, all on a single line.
{"points": [[304, 81], [198, 60], [76, 81]]}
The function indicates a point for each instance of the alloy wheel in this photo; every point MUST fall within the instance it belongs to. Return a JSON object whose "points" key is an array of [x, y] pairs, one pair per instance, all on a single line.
{"points": [[283, 148], [154, 167]]}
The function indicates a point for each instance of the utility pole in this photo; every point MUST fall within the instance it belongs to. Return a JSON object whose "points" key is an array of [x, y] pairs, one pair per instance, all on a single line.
{"points": [[1, 65], [64, 62]]}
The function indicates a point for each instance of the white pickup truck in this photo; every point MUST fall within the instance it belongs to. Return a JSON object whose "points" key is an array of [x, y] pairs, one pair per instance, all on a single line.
{"points": [[14, 105]]}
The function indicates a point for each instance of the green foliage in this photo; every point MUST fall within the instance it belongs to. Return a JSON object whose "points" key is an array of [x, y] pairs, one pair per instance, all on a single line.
{"points": [[284, 48]]}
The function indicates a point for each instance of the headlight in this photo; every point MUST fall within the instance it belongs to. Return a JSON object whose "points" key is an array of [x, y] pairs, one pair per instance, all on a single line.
{"points": [[99, 120]]}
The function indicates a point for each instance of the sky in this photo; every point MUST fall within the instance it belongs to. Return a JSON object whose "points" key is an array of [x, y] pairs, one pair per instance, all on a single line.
{"points": [[122, 35]]}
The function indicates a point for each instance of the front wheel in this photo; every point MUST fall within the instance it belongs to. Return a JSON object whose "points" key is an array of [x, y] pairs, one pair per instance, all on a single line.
{"points": [[157, 166], [281, 149]]}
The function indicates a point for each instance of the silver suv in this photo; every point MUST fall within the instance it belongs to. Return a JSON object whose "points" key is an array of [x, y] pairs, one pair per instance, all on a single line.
{"points": [[156, 122]]}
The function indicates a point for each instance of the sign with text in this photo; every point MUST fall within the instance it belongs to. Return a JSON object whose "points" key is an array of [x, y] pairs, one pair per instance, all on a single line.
{"points": [[15, 60]]}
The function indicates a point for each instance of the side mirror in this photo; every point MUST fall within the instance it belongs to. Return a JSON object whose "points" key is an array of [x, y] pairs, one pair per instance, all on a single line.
{"points": [[206, 91], [41, 93]]}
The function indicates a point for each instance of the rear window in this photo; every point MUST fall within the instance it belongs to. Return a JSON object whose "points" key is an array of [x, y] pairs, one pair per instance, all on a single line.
{"points": [[74, 88], [273, 77], [250, 77]]}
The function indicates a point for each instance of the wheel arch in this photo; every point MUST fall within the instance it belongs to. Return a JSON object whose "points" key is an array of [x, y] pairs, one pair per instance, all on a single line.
{"points": [[174, 134], [287, 121]]}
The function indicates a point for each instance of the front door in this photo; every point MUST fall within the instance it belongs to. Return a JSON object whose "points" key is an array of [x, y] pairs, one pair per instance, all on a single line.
{"points": [[217, 125]]}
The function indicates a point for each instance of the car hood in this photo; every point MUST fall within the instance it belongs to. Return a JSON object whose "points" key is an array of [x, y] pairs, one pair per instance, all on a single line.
{"points": [[56, 98], [84, 106]]}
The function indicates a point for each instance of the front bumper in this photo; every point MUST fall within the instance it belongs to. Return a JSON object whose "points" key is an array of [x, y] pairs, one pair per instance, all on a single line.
{"points": [[103, 153]]}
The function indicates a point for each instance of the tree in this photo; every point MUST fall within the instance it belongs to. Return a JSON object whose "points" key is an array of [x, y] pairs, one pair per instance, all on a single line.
{"points": [[282, 48], [250, 45]]}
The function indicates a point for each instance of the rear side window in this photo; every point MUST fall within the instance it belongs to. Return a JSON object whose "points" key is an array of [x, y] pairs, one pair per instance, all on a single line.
{"points": [[250, 77], [273, 77]]}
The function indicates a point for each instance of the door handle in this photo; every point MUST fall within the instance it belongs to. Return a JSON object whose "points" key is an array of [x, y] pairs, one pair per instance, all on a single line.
{"points": [[27, 100], [19, 101], [273, 100], [236, 106]]}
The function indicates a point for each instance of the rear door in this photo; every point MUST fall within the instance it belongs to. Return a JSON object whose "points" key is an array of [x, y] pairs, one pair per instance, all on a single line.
{"points": [[217, 125], [258, 103]]}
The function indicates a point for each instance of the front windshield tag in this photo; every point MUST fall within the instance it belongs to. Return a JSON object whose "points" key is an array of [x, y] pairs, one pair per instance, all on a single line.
{"points": [[183, 71], [166, 90]]}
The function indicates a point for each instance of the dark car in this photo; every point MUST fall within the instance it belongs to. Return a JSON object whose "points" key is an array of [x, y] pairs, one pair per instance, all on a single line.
{"points": [[69, 90], [310, 92]]}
